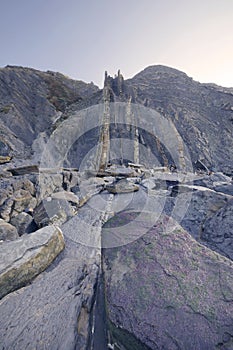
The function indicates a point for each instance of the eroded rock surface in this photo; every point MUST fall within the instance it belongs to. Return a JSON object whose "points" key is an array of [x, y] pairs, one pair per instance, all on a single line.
{"points": [[166, 291], [56, 310], [218, 230]]}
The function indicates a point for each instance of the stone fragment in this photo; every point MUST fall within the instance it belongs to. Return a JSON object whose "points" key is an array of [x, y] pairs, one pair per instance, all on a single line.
{"points": [[24, 223], [23, 200], [122, 186], [5, 159], [27, 169], [6, 209], [51, 211], [68, 196], [7, 231]]}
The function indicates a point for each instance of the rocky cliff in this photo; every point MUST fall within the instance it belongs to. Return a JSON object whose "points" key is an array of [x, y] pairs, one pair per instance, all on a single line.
{"points": [[30, 102], [33, 102], [199, 112]]}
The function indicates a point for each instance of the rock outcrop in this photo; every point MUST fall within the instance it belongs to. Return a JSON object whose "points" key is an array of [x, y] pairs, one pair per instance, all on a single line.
{"points": [[200, 110], [205, 207], [151, 140], [218, 230], [166, 291], [28, 94]]}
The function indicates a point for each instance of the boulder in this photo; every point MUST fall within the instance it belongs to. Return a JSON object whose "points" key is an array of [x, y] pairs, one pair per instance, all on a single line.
{"points": [[51, 211], [121, 171], [68, 196], [23, 200], [167, 291], [4, 194], [16, 196], [204, 203], [24, 223], [88, 188], [24, 184], [7, 231], [122, 186], [70, 179], [149, 184], [49, 183], [25, 258], [6, 209], [218, 230]]}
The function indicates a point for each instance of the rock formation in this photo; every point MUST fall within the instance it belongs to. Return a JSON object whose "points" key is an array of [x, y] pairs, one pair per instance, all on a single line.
{"points": [[163, 291], [140, 191]]}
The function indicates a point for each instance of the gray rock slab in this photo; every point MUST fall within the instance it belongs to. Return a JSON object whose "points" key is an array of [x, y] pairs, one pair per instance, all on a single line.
{"points": [[25, 258], [122, 186]]}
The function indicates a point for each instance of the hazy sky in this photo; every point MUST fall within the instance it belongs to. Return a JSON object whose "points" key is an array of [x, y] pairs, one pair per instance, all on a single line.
{"points": [[83, 38]]}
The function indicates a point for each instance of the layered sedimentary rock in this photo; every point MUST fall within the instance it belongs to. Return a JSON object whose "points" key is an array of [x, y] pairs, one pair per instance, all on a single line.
{"points": [[151, 142], [28, 94]]}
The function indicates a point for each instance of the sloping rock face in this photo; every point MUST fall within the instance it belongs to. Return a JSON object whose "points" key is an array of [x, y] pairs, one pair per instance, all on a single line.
{"points": [[207, 216], [26, 257], [199, 112], [28, 95], [166, 291], [204, 203]]}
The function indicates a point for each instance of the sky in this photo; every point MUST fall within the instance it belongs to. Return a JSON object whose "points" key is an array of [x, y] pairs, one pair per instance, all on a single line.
{"points": [[83, 38]]}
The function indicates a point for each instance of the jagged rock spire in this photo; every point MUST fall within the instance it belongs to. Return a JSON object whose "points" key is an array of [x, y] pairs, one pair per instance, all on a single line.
{"points": [[116, 84]]}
